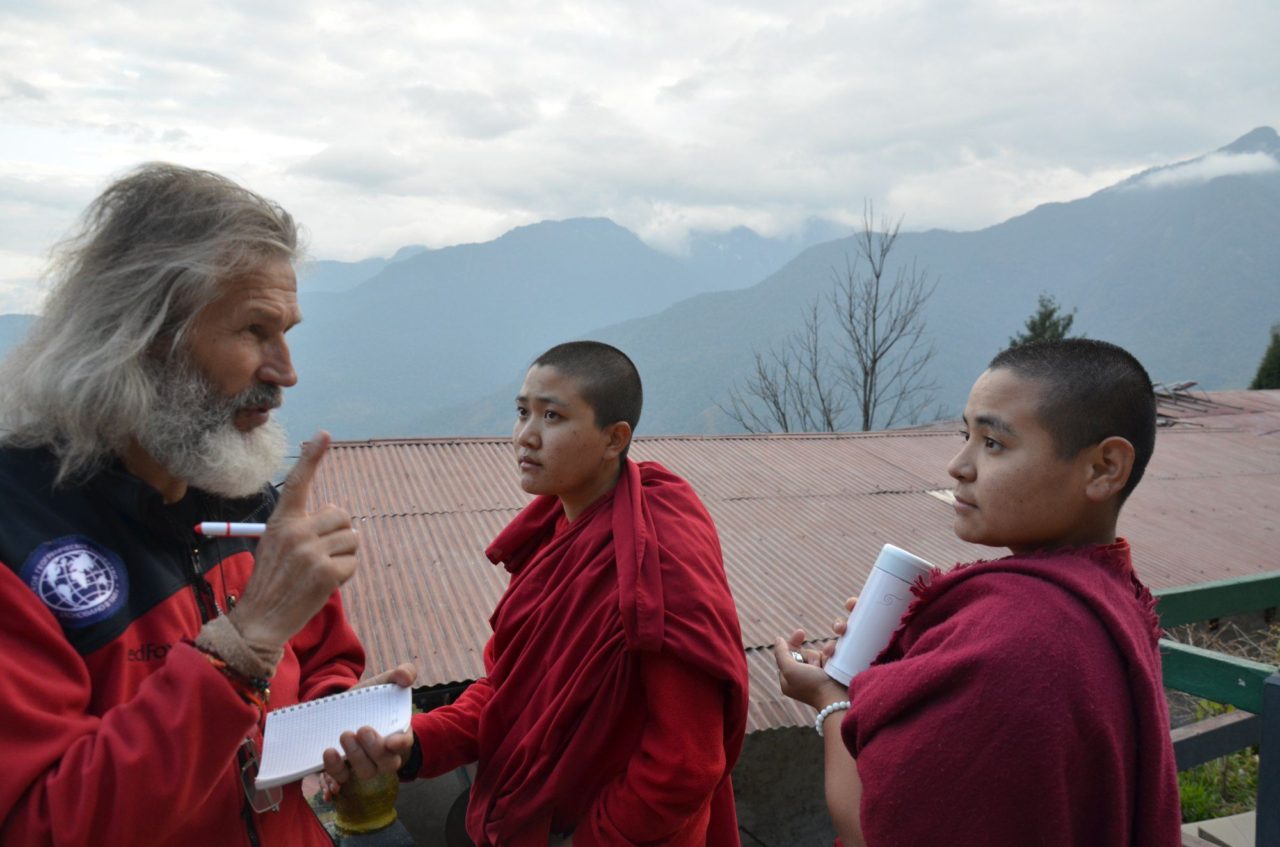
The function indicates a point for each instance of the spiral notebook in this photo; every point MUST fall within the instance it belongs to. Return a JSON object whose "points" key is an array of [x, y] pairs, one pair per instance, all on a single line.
{"points": [[296, 737]]}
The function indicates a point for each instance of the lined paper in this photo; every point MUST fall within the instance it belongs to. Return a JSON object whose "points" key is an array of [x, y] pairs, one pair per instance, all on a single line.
{"points": [[296, 736]]}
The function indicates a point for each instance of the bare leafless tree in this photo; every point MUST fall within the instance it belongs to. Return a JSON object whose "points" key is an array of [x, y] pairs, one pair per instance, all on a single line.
{"points": [[883, 329], [793, 388], [764, 404], [880, 366]]}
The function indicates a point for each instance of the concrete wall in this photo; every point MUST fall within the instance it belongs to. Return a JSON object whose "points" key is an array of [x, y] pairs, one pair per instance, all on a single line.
{"points": [[423, 807], [778, 785]]}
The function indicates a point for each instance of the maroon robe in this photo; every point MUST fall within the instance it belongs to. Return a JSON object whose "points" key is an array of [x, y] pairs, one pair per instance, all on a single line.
{"points": [[1020, 702], [562, 711]]}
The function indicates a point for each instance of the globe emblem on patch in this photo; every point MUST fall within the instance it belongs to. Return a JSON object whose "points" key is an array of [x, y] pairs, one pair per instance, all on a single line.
{"points": [[80, 583]]}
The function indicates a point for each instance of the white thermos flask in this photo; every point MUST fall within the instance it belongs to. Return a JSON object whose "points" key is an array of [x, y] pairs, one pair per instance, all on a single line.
{"points": [[881, 604]]}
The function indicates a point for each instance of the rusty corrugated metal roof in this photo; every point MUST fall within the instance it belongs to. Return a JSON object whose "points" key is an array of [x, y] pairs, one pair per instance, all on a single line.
{"points": [[801, 518], [1250, 411]]}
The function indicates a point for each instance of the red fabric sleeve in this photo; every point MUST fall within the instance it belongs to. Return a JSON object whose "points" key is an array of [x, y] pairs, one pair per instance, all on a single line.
{"points": [[664, 796], [449, 735], [71, 777], [330, 656]]}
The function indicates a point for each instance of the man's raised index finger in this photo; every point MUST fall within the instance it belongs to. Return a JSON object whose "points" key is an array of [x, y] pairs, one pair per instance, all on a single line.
{"points": [[297, 485]]}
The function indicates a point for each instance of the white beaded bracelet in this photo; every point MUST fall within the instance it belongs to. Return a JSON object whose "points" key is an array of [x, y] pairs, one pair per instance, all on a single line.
{"points": [[838, 706]]}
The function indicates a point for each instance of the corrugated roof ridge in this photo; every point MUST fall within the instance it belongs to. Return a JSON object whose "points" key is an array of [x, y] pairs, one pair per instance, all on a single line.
{"points": [[835, 495], [1210, 423], [796, 436], [437, 514], [816, 643], [444, 440], [1222, 475], [420, 439]]}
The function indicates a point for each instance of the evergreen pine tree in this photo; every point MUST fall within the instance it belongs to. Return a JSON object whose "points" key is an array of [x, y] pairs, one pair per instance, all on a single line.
{"points": [[1269, 370], [1048, 323]]}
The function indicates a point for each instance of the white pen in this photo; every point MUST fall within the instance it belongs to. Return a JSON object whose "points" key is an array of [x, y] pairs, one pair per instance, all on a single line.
{"points": [[224, 529]]}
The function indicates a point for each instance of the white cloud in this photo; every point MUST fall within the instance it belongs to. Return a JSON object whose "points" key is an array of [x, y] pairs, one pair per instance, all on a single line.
{"points": [[12, 87], [365, 168], [20, 296], [380, 123], [1210, 167], [474, 113], [996, 186]]}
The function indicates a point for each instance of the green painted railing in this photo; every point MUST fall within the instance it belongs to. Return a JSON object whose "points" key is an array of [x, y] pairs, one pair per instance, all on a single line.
{"points": [[1214, 676], [1209, 600], [1206, 673], [1249, 686]]}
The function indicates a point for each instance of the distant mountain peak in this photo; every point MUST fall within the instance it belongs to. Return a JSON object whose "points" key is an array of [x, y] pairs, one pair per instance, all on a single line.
{"points": [[583, 224], [573, 230], [1239, 158], [1264, 139], [408, 252]]}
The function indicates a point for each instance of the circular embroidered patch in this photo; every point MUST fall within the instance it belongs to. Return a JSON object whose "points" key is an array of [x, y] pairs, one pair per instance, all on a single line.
{"points": [[81, 582]]}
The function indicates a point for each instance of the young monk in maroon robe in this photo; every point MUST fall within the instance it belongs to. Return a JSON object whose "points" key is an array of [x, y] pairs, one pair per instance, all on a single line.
{"points": [[1020, 700], [615, 698]]}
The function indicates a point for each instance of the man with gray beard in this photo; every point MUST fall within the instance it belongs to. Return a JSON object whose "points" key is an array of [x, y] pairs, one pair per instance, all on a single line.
{"points": [[137, 658], [192, 432]]}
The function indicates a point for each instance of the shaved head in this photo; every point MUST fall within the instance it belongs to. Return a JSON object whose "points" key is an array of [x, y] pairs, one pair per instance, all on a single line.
{"points": [[606, 377], [1089, 391]]}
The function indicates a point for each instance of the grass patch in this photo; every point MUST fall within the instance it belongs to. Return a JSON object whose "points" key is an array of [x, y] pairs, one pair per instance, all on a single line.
{"points": [[1226, 786]]}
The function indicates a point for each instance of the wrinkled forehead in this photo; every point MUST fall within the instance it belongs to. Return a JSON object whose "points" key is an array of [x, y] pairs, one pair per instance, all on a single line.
{"points": [[271, 285]]}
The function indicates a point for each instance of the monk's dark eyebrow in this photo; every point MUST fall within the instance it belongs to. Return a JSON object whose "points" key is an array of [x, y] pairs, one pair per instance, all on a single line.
{"points": [[994, 423], [544, 399]]}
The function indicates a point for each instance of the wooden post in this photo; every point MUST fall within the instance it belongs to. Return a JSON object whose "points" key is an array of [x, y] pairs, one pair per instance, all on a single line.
{"points": [[1212, 738], [1268, 822]]}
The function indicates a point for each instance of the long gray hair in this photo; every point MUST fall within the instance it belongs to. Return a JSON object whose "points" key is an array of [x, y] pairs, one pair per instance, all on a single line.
{"points": [[151, 253]]}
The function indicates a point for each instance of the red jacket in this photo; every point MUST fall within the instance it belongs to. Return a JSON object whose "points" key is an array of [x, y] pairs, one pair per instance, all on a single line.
{"points": [[115, 732]]}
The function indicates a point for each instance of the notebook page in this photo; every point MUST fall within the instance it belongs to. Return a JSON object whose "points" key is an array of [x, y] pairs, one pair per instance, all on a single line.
{"points": [[297, 736]]}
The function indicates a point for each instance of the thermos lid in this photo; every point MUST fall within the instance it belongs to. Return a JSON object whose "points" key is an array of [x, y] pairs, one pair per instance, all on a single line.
{"points": [[902, 564]]}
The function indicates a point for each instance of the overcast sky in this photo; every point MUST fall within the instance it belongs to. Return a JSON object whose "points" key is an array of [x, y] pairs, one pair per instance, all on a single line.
{"points": [[380, 124]]}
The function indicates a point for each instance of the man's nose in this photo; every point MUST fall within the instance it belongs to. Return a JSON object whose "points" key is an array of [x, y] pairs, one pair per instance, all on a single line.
{"points": [[277, 369]]}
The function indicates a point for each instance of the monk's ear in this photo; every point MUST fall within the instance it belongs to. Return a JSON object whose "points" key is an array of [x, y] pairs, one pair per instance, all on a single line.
{"points": [[619, 435], [1110, 463]]}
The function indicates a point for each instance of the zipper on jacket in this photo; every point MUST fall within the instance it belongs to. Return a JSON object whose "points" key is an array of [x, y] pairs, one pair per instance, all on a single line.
{"points": [[207, 604]]}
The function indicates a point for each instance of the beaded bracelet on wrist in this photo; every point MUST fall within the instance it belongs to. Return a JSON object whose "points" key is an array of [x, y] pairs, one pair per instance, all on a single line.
{"points": [[827, 711], [256, 691]]}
